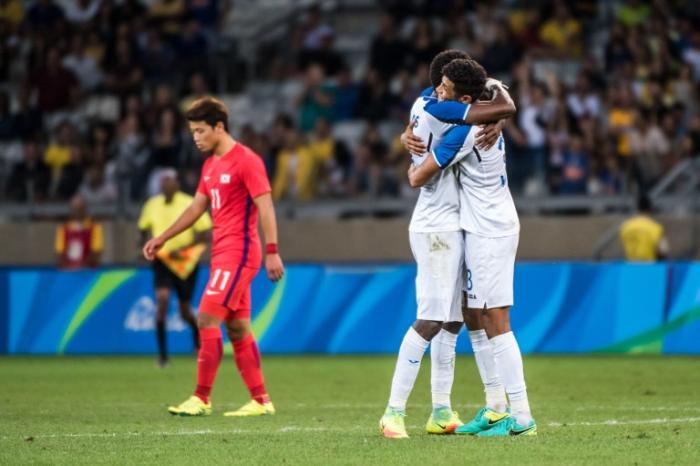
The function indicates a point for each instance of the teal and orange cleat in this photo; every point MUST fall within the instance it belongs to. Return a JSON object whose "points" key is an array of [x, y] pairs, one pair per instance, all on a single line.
{"points": [[510, 427], [484, 420]]}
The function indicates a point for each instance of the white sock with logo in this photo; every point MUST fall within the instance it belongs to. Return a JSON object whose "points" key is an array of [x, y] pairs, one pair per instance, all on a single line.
{"points": [[411, 353], [483, 353], [509, 363], [442, 367]]}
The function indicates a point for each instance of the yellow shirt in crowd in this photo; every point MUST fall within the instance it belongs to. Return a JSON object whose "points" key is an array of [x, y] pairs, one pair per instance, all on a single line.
{"points": [[297, 170], [157, 216], [640, 237]]}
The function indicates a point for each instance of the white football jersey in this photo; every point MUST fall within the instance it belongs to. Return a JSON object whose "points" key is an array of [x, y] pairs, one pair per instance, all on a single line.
{"points": [[486, 205], [437, 208]]}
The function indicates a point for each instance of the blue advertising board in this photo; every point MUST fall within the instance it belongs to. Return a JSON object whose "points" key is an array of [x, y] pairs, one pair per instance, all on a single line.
{"points": [[559, 307]]}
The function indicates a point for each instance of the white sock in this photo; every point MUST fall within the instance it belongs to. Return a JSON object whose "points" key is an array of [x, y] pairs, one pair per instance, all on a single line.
{"points": [[509, 363], [407, 366], [442, 367], [483, 353]]}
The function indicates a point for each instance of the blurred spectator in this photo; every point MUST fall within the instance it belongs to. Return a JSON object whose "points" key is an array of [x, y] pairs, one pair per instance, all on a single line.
{"points": [[58, 151], [621, 117], [29, 179], [502, 52], [424, 45], [562, 33], [71, 175], [27, 121], [574, 169], [163, 99], [691, 55], [582, 100], [375, 101], [648, 146], [96, 189], [128, 10], [363, 179], [298, 169], [314, 29], [11, 12], [123, 72], [95, 48], [79, 241], [643, 237], [81, 12], [167, 16], [535, 114], [198, 88], [388, 50], [207, 13], [192, 49], [157, 59], [322, 54], [57, 86], [44, 16], [316, 100], [83, 66], [132, 156], [345, 94], [7, 121], [633, 12], [166, 145]]}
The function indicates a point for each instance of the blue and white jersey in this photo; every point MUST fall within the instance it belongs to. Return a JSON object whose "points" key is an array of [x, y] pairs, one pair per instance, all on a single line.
{"points": [[437, 208], [486, 205]]}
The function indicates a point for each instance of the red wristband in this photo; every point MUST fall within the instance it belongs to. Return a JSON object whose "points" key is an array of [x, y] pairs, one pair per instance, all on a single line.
{"points": [[271, 248]]}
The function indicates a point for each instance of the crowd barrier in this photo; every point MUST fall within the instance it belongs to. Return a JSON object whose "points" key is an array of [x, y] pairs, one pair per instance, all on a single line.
{"points": [[564, 307]]}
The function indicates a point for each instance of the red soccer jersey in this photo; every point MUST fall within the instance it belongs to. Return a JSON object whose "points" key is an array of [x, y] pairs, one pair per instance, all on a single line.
{"points": [[231, 182]]}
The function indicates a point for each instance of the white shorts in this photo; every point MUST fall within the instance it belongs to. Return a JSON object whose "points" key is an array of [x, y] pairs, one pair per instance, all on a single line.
{"points": [[440, 277], [490, 266]]}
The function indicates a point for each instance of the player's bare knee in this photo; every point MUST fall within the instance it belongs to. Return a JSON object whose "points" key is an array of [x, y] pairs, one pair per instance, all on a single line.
{"points": [[205, 320], [427, 328], [453, 327], [473, 319], [237, 329], [496, 321]]}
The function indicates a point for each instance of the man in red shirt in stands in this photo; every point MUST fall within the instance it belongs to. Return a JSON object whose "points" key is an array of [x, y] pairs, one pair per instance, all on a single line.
{"points": [[234, 184]]}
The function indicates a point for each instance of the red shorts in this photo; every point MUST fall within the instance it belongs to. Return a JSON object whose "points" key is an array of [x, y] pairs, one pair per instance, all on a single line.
{"points": [[227, 295]]}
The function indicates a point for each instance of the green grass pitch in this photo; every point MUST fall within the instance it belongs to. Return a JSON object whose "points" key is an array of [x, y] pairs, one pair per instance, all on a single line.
{"points": [[112, 410]]}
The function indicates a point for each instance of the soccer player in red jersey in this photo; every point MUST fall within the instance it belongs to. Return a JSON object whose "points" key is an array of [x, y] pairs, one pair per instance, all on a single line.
{"points": [[234, 184]]}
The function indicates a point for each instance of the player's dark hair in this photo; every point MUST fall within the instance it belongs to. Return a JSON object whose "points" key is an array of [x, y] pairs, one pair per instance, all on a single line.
{"points": [[439, 62], [209, 110], [468, 76]]}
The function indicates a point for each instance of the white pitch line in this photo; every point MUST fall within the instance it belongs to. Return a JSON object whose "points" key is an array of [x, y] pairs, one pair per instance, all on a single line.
{"points": [[615, 422], [639, 408], [291, 429]]}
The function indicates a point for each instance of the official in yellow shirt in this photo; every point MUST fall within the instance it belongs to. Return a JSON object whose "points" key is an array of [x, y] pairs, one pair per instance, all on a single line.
{"points": [[643, 237], [175, 266]]}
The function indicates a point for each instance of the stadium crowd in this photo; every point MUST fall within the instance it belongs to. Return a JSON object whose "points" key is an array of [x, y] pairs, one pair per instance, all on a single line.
{"points": [[92, 94]]}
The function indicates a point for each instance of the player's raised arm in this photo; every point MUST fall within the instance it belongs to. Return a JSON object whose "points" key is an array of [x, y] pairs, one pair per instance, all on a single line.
{"points": [[501, 107], [199, 205], [273, 261]]}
